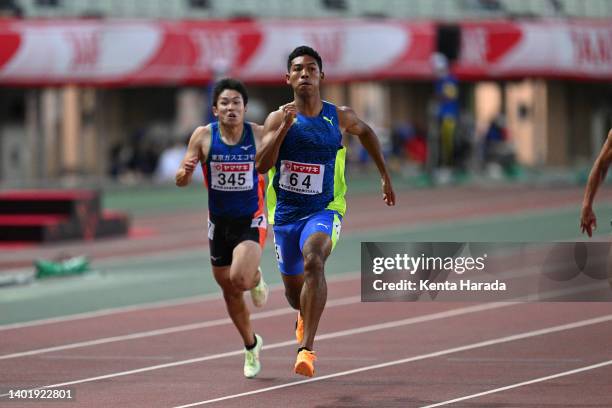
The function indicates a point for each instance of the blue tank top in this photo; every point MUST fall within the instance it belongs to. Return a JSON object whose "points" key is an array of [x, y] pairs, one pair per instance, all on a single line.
{"points": [[309, 173], [235, 189]]}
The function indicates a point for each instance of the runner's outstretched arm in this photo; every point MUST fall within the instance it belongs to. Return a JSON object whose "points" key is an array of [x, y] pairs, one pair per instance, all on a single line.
{"points": [[192, 156], [350, 122], [588, 221]]}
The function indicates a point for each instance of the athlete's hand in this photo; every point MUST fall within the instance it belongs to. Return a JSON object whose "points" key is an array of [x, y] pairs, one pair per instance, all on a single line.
{"points": [[289, 113], [190, 164], [588, 221], [388, 193]]}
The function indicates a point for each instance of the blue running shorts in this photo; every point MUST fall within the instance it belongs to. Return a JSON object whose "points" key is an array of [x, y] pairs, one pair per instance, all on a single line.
{"points": [[289, 239]]}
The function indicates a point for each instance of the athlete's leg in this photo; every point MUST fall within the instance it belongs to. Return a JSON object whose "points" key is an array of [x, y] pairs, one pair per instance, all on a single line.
{"points": [[317, 240], [234, 301], [316, 249], [228, 253], [246, 275], [244, 272]]}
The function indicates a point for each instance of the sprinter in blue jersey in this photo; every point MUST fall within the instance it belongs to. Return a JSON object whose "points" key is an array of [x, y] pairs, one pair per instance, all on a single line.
{"points": [[303, 152], [236, 219]]}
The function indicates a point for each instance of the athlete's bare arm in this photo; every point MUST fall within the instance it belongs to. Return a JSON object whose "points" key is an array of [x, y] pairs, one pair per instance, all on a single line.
{"points": [[350, 122], [588, 221], [275, 129], [199, 144], [257, 134]]}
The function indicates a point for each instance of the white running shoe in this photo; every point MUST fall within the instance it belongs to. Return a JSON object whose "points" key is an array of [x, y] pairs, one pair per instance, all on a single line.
{"points": [[252, 366], [259, 294]]}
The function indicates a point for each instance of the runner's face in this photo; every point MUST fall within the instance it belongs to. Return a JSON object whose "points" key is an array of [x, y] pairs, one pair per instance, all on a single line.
{"points": [[304, 75], [230, 107]]}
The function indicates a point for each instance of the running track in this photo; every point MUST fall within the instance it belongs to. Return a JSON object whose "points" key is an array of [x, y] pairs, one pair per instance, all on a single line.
{"points": [[375, 354]]}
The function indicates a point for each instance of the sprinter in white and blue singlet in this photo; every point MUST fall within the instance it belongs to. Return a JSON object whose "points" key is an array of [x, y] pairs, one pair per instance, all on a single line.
{"points": [[303, 152], [236, 219]]}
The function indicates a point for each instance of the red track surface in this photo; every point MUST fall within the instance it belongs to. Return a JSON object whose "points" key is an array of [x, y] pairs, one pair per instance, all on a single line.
{"points": [[410, 384], [166, 379]]}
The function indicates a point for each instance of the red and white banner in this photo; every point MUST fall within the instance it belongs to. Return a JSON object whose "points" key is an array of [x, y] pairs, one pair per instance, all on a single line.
{"points": [[549, 49], [161, 52]]}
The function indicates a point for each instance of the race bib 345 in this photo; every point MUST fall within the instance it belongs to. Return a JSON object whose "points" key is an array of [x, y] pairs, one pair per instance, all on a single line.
{"points": [[226, 176]]}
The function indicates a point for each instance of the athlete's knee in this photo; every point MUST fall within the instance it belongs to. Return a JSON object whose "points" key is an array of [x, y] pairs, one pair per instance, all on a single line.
{"points": [[240, 282], [224, 282], [230, 293], [313, 264]]}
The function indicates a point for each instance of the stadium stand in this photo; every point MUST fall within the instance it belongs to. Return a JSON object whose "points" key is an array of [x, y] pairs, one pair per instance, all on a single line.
{"points": [[405, 9]]}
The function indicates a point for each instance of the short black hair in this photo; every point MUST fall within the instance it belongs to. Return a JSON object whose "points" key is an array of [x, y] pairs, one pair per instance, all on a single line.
{"points": [[230, 83], [304, 50]]}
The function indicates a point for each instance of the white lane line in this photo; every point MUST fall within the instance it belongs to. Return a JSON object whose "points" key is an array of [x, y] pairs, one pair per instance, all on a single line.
{"points": [[535, 380], [520, 336], [153, 305], [110, 311], [255, 316], [516, 360], [363, 329], [169, 330]]}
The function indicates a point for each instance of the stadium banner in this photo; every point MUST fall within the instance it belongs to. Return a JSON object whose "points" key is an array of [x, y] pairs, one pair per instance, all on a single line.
{"points": [[486, 272], [152, 52], [543, 48]]}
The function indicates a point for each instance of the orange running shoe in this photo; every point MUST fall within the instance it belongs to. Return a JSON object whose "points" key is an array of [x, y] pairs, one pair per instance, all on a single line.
{"points": [[299, 329], [304, 364]]}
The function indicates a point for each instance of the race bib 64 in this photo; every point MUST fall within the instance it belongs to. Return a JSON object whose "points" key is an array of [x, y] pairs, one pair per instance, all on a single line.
{"points": [[301, 178]]}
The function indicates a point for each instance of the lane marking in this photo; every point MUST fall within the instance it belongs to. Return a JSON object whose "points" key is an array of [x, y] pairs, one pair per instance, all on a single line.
{"points": [[153, 305], [535, 380], [174, 329], [515, 360], [255, 316], [411, 228], [342, 333], [520, 336], [110, 311]]}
